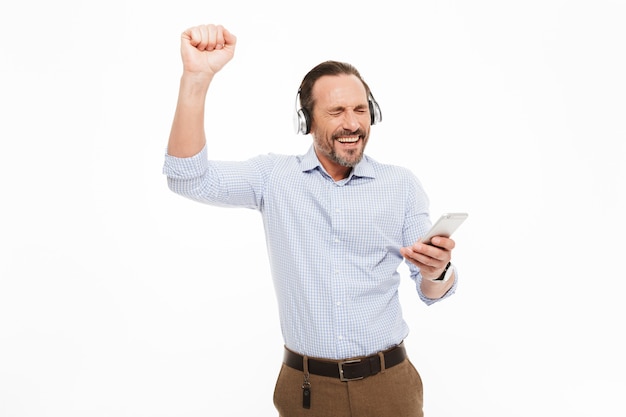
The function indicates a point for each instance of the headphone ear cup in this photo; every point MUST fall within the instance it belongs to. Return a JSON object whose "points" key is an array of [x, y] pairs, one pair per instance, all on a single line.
{"points": [[303, 124], [375, 114]]}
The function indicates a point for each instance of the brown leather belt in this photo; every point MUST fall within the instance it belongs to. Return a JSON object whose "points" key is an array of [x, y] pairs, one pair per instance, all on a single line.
{"points": [[350, 369]]}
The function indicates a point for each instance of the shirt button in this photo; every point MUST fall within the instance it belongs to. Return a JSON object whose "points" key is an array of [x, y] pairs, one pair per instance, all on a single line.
{"points": [[336, 240]]}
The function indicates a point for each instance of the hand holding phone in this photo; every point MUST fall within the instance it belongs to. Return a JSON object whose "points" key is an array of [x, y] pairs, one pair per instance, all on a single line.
{"points": [[444, 226]]}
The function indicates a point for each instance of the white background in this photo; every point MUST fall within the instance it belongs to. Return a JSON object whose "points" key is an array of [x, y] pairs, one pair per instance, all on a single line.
{"points": [[119, 298]]}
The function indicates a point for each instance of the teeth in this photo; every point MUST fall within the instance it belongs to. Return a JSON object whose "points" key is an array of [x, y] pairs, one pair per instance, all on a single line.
{"points": [[348, 140]]}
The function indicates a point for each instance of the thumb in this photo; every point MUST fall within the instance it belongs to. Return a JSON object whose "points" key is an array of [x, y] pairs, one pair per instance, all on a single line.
{"points": [[229, 38]]}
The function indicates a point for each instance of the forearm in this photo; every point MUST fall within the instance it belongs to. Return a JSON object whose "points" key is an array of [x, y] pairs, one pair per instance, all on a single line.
{"points": [[187, 136]]}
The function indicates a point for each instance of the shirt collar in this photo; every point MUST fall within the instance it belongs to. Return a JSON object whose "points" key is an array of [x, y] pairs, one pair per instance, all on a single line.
{"points": [[363, 169]]}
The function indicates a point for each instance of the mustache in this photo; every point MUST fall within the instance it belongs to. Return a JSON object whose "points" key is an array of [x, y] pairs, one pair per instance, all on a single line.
{"points": [[358, 132]]}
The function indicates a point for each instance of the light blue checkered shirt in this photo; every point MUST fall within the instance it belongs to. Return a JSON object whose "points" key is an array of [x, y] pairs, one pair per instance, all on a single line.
{"points": [[333, 246]]}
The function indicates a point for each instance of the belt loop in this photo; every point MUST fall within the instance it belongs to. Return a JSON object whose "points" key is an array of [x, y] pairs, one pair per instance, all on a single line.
{"points": [[381, 355]]}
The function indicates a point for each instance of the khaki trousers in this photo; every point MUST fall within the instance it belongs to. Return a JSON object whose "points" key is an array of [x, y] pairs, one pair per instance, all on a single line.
{"points": [[394, 392]]}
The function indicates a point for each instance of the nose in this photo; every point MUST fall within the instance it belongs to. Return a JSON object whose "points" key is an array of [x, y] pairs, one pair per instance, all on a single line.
{"points": [[350, 121]]}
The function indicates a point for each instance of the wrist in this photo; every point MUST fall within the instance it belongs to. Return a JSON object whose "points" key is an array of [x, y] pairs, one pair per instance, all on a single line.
{"points": [[445, 274], [195, 82]]}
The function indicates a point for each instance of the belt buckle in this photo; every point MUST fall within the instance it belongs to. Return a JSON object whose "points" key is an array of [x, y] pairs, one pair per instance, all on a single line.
{"points": [[341, 364]]}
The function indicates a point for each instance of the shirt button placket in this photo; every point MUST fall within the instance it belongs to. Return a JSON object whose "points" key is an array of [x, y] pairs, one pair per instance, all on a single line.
{"points": [[338, 291]]}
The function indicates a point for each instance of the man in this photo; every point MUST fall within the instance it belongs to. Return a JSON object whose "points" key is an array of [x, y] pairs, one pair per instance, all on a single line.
{"points": [[338, 225]]}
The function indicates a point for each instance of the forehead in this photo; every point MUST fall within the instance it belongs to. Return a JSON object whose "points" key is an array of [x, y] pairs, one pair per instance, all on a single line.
{"points": [[339, 90]]}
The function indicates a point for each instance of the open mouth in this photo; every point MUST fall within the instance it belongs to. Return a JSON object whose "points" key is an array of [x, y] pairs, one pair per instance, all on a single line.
{"points": [[348, 139]]}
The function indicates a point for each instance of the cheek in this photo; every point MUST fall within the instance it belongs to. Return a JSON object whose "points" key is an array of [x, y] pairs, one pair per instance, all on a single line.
{"points": [[323, 135]]}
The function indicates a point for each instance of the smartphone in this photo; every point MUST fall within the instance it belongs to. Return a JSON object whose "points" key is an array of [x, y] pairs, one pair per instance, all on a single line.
{"points": [[445, 226]]}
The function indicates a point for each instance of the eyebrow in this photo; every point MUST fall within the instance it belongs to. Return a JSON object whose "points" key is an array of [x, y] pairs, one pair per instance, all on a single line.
{"points": [[341, 108]]}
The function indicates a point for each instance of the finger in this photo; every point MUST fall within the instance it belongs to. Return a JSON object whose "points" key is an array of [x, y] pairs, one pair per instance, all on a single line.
{"points": [[224, 38], [424, 263], [432, 250], [423, 260], [219, 37], [426, 249], [229, 38], [205, 32], [415, 257], [193, 35], [426, 255], [443, 242]]}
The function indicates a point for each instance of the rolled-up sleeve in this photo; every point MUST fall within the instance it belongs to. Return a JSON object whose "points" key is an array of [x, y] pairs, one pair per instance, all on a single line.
{"points": [[219, 183], [185, 168], [430, 301]]}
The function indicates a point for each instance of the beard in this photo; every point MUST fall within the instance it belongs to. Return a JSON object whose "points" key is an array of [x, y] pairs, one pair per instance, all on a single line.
{"points": [[351, 159], [346, 157]]}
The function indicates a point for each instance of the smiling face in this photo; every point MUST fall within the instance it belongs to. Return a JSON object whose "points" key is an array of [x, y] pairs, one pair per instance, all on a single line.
{"points": [[340, 123]]}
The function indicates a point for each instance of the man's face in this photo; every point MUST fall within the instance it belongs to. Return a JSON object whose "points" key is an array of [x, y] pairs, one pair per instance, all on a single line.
{"points": [[340, 123]]}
